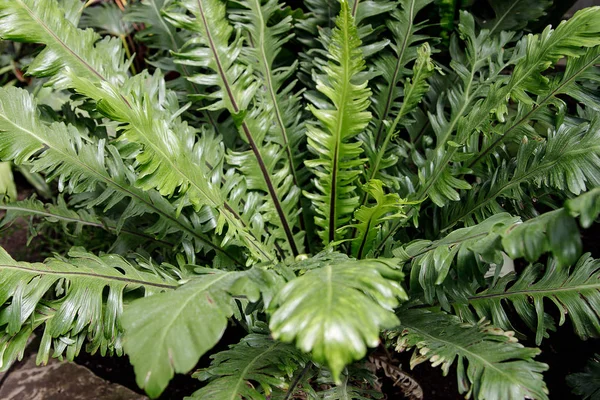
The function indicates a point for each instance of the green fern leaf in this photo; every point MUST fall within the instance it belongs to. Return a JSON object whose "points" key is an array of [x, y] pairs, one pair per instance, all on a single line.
{"points": [[392, 64], [156, 33], [414, 90], [369, 218], [66, 216], [435, 179], [168, 333], [586, 206], [73, 10], [159, 34], [357, 381], [514, 15], [431, 262], [439, 177], [478, 246], [281, 101], [141, 104], [312, 310], [577, 71], [570, 39], [236, 88], [62, 152], [490, 362], [573, 290], [266, 44], [337, 165], [80, 310], [235, 373], [587, 383], [567, 160], [553, 231], [107, 18], [540, 52]]}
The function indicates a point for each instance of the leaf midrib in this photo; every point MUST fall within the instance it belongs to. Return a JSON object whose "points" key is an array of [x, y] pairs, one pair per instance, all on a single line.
{"points": [[127, 281], [531, 173], [247, 132], [400, 59], [536, 292], [271, 90], [401, 113], [445, 162], [175, 315], [241, 379], [109, 181], [59, 41], [149, 143], [164, 25], [511, 85], [465, 351], [536, 107], [48, 214], [501, 19], [338, 129]]}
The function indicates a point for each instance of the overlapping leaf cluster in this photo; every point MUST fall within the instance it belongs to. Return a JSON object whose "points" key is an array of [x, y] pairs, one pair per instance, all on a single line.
{"points": [[237, 178]]}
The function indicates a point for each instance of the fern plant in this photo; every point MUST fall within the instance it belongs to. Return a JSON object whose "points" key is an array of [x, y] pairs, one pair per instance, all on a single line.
{"points": [[361, 194]]}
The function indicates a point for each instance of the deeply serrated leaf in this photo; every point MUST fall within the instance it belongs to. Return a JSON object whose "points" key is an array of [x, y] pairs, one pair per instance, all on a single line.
{"points": [[490, 363], [337, 310]]}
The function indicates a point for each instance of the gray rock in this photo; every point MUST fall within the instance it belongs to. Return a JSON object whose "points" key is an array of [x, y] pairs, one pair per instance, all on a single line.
{"points": [[59, 381]]}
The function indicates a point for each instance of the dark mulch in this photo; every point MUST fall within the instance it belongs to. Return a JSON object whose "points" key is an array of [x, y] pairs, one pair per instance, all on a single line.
{"points": [[118, 370]]}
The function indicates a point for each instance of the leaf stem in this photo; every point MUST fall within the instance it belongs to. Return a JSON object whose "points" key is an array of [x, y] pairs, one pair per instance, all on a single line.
{"points": [[296, 381], [265, 173], [128, 53]]}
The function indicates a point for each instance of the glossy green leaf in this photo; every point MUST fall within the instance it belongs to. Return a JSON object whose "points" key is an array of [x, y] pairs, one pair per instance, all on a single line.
{"points": [[251, 369], [333, 138], [587, 383], [169, 333], [573, 290], [586, 206], [431, 262], [235, 87], [80, 311], [337, 310], [555, 231], [491, 364], [512, 15], [369, 218]]}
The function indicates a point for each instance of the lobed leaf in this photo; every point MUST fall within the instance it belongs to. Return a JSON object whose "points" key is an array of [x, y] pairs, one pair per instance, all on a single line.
{"points": [[169, 333], [573, 290], [251, 369], [337, 310], [490, 363], [332, 139], [89, 294]]}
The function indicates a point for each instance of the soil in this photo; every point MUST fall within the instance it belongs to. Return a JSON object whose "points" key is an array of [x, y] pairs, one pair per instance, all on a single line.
{"points": [[435, 385], [118, 370]]}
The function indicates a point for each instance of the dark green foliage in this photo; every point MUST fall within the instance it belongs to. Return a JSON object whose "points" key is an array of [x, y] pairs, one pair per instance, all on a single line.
{"points": [[587, 383], [255, 359], [292, 171], [486, 357], [573, 290]]}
